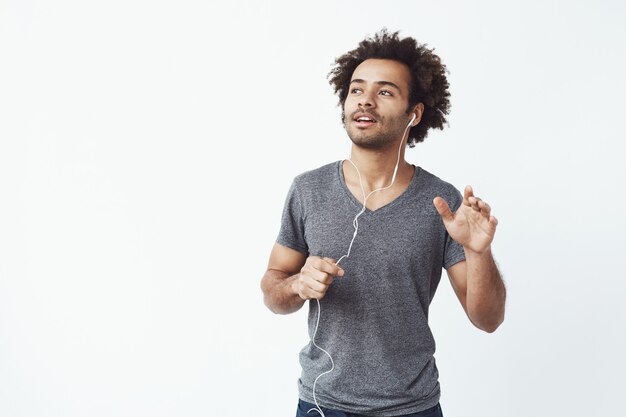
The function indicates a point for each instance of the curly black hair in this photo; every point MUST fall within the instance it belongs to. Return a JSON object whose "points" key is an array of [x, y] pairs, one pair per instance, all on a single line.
{"points": [[428, 85]]}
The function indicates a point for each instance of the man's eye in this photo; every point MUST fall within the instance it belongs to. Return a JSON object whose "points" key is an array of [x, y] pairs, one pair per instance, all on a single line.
{"points": [[355, 91], [386, 93]]}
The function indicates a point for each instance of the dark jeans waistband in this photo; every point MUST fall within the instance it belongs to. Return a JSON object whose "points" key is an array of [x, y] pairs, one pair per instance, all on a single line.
{"points": [[304, 407]]}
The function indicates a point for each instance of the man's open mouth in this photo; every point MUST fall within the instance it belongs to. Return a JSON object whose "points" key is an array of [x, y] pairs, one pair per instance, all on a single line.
{"points": [[363, 120]]}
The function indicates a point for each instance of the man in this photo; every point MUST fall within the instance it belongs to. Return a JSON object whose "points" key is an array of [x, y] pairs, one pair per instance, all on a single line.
{"points": [[375, 316]]}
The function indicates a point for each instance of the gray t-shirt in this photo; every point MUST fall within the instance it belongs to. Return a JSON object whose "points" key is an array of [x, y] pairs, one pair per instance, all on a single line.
{"points": [[374, 319]]}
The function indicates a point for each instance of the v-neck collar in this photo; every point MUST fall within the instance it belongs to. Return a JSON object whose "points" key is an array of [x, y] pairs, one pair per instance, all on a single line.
{"points": [[387, 206]]}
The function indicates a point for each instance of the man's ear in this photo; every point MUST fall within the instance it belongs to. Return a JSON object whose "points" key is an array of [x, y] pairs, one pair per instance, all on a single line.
{"points": [[418, 110]]}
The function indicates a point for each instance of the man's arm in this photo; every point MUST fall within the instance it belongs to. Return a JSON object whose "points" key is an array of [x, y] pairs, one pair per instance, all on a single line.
{"points": [[292, 278], [476, 281], [479, 287]]}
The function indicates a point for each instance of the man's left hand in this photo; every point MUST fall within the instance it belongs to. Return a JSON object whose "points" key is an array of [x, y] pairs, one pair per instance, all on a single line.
{"points": [[472, 225]]}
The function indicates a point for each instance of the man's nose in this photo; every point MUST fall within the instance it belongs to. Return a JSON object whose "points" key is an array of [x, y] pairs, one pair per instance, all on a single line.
{"points": [[366, 100]]}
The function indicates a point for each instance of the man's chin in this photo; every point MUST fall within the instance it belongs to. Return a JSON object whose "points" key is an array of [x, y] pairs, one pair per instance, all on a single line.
{"points": [[368, 145], [370, 142]]}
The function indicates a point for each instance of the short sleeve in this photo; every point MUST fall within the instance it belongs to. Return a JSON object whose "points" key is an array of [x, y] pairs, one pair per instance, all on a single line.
{"points": [[453, 251], [291, 232]]}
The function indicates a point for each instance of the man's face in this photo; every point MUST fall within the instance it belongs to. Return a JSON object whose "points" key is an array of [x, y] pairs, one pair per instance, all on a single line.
{"points": [[375, 110]]}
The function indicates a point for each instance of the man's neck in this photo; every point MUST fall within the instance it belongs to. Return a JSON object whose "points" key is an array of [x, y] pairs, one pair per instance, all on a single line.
{"points": [[376, 166]]}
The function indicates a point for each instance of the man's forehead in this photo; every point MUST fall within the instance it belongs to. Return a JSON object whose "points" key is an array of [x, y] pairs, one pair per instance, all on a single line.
{"points": [[382, 70]]}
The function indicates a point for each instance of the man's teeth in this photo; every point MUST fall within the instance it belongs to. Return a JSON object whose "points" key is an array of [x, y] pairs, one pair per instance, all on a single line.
{"points": [[364, 119]]}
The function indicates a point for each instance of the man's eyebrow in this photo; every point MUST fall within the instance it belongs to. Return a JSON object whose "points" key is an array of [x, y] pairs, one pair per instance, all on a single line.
{"points": [[389, 83]]}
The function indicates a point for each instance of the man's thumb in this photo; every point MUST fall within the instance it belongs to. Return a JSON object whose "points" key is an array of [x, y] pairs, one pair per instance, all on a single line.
{"points": [[443, 209]]}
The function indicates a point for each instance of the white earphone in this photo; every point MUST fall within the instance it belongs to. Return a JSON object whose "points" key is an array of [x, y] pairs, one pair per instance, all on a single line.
{"points": [[355, 223]]}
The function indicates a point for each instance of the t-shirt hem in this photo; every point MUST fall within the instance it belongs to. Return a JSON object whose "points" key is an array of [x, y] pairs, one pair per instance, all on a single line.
{"points": [[454, 261], [392, 412], [293, 246]]}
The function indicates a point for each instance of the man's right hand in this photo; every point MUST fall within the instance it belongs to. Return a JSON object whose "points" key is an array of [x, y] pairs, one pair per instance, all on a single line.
{"points": [[315, 277]]}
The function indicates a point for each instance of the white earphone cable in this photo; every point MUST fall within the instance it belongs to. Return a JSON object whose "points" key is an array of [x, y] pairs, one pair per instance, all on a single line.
{"points": [[355, 223]]}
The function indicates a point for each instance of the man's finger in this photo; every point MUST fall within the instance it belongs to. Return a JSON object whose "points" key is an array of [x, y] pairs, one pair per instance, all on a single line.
{"points": [[474, 203], [329, 265], [319, 283], [469, 192], [443, 209], [484, 208], [322, 277], [311, 294]]}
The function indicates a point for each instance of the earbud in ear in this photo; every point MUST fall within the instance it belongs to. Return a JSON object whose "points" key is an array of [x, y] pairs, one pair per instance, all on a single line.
{"points": [[412, 119]]}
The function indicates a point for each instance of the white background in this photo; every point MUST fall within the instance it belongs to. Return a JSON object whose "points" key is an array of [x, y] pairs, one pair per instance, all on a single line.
{"points": [[146, 148]]}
